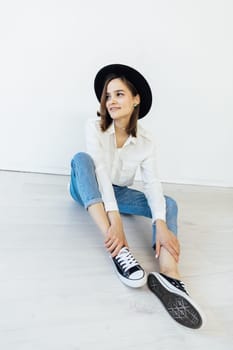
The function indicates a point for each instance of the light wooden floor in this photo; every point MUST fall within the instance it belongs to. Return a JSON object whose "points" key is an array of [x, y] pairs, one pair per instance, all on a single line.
{"points": [[58, 290]]}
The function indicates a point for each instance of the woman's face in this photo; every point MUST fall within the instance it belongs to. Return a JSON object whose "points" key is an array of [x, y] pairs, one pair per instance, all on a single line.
{"points": [[120, 100]]}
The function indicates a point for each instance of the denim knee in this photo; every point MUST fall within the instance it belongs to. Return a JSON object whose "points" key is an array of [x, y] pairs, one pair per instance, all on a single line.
{"points": [[80, 158]]}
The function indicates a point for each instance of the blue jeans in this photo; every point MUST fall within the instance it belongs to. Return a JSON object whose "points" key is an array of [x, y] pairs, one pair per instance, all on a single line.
{"points": [[84, 189]]}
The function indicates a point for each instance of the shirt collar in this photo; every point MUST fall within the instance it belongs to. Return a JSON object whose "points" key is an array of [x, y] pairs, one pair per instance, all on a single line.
{"points": [[111, 130]]}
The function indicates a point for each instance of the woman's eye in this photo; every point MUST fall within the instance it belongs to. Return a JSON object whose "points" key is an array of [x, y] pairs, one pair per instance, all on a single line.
{"points": [[120, 94]]}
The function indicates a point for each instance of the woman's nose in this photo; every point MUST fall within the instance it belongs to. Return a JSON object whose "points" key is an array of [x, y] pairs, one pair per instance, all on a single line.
{"points": [[112, 99]]}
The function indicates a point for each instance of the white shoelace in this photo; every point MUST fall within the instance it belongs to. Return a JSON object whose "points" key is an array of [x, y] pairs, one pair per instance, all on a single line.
{"points": [[126, 259], [182, 285]]}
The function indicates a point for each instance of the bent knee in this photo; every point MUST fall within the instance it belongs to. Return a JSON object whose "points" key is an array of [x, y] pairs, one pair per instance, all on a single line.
{"points": [[81, 157]]}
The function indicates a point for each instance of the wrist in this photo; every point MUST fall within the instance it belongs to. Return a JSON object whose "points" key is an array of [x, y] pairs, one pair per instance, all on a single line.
{"points": [[114, 216], [160, 224]]}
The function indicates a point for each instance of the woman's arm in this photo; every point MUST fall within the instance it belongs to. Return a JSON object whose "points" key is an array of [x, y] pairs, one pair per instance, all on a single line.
{"points": [[154, 194], [115, 239], [152, 186], [95, 148]]}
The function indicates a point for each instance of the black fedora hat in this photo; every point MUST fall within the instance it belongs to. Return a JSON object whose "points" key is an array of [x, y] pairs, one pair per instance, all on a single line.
{"points": [[133, 76]]}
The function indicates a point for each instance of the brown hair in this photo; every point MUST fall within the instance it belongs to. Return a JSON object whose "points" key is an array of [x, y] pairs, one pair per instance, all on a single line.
{"points": [[106, 120]]}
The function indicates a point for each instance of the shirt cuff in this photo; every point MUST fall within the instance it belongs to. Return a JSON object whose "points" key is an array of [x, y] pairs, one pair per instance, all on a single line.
{"points": [[111, 206], [160, 216]]}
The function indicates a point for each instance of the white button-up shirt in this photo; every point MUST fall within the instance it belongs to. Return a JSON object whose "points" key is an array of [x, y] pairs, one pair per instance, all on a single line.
{"points": [[118, 166]]}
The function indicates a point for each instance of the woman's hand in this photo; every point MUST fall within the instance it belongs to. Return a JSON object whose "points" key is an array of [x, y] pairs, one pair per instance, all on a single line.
{"points": [[166, 238], [115, 239]]}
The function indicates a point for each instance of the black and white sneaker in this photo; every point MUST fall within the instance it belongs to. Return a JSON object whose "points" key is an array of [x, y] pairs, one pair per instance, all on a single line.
{"points": [[128, 269], [173, 295]]}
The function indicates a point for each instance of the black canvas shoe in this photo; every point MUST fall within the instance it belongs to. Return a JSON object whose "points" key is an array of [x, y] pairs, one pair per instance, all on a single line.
{"points": [[128, 269], [173, 295]]}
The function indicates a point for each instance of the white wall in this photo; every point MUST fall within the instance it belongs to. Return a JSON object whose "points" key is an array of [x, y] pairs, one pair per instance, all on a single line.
{"points": [[51, 51]]}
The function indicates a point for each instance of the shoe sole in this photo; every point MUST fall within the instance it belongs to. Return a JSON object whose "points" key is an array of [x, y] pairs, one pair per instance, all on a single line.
{"points": [[179, 305], [133, 283], [137, 283]]}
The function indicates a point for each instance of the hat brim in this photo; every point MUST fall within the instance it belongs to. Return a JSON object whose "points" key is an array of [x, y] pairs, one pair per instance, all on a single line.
{"points": [[133, 76]]}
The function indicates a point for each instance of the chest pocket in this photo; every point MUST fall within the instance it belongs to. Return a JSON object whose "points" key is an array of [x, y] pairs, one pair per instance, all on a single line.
{"points": [[128, 172]]}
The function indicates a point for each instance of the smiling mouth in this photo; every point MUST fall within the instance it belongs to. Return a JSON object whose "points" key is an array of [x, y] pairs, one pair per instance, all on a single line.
{"points": [[113, 109]]}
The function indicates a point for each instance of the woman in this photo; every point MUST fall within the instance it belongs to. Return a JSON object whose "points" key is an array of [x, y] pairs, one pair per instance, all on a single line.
{"points": [[117, 145]]}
